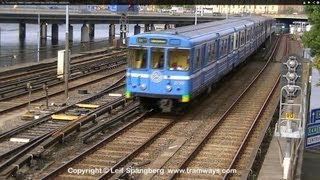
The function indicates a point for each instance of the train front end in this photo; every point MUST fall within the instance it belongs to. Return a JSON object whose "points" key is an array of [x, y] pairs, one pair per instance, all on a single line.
{"points": [[158, 71]]}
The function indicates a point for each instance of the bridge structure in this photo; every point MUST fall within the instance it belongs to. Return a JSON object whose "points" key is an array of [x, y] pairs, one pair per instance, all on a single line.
{"points": [[89, 19], [55, 17]]}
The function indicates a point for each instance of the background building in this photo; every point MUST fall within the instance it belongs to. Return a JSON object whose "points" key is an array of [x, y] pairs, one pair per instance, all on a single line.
{"points": [[254, 9]]}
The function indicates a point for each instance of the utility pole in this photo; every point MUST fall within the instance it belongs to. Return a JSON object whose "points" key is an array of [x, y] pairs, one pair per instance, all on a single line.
{"points": [[66, 56], [196, 17], [39, 29]]}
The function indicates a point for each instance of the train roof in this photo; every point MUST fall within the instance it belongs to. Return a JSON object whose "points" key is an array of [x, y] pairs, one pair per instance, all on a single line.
{"points": [[210, 30]]}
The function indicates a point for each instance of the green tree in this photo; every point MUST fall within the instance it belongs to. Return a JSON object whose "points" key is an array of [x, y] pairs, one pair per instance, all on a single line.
{"points": [[311, 39]]}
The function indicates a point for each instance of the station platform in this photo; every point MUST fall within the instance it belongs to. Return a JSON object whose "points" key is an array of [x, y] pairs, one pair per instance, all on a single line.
{"points": [[307, 167], [272, 165], [271, 168]]}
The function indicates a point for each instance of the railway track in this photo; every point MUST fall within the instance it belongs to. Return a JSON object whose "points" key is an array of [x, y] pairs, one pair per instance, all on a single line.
{"points": [[43, 68], [96, 157], [34, 133], [226, 140], [18, 86], [116, 149], [11, 105], [217, 152], [223, 145], [246, 154]]}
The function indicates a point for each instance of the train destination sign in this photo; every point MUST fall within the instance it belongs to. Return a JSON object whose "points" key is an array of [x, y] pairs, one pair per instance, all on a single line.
{"points": [[313, 135], [158, 41], [141, 40]]}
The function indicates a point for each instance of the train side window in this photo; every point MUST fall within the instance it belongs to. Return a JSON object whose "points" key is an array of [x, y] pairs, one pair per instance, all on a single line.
{"points": [[236, 41], [211, 52], [137, 58], [221, 47], [231, 43], [238, 45], [178, 59], [252, 32], [226, 46], [157, 58], [245, 36], [197, 62], [242, 38], [209, 47]]}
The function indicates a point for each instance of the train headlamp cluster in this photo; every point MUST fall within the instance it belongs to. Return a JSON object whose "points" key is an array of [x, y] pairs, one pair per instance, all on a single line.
{"points": [[143, 87], [168, 88]]}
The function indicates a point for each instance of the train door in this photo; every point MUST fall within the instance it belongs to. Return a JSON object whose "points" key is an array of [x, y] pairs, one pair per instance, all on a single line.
{"points": [[158, 64], [196, 67]]}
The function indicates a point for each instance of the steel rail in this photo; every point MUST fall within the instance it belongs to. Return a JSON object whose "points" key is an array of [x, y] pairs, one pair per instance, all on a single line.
{"points": [[91, 150], [61, 91], [55, 80], [204, 140], [251, 129], [7, 134], [43, 142], [46, 66]]}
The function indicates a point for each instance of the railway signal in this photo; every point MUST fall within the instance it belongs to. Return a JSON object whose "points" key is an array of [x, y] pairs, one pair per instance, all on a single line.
{"points": [[291, 124]]}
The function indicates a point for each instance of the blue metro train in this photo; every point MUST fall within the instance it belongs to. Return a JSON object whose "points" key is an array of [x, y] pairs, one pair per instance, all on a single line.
{"points": [[171, 67]]}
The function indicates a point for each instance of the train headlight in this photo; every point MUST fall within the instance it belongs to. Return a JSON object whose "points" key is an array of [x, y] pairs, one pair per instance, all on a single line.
{"points": [[168, 88], [143, 87]]}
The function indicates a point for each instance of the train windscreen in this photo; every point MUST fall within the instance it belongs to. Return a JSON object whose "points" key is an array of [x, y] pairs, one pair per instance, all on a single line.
{"points": [[137, 58], [178, 60]]}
